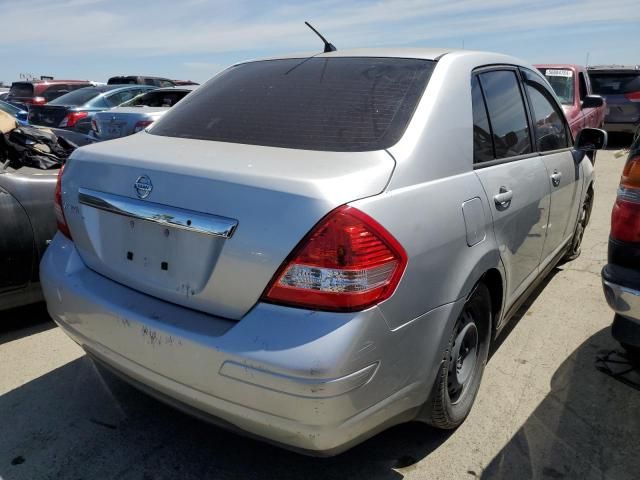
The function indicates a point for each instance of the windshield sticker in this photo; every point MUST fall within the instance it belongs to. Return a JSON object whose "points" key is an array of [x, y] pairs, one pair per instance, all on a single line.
{"points": [[558, 73]]}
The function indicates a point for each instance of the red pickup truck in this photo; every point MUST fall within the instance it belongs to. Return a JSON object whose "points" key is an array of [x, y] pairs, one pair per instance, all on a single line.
{"points": [[573, 88]]}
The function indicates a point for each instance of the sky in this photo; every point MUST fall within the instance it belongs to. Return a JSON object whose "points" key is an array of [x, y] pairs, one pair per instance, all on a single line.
{"points": [[195, 39]]}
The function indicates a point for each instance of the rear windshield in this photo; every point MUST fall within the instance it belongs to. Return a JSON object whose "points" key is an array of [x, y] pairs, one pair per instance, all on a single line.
{"points": [[21, 90], [77, 97], [157, 99], [562, 82], [332, 104], [122, 81], [615, 83]]}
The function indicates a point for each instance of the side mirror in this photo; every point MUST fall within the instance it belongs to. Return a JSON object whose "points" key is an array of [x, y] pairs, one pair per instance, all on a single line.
{"points": [[592, 101], [590, 139]]}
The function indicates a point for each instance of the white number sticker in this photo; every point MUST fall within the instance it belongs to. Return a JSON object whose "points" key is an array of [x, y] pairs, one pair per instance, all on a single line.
{"points": [[558, 73]]}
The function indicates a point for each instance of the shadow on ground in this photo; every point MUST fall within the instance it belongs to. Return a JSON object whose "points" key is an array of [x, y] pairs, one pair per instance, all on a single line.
{"points": [[78, 422], [24, 321], [588, 426]]}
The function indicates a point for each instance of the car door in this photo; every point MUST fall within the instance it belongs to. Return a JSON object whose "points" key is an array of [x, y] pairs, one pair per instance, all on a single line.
{"points": [[16, 244], [513, 176], [552, 141]]}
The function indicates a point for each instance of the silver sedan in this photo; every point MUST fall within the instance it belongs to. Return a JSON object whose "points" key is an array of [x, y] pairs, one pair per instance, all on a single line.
{"points": [[312, 249]]}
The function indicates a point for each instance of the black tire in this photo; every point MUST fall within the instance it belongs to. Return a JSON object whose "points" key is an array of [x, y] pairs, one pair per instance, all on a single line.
{"points": [[458, 381], [576, 242]]}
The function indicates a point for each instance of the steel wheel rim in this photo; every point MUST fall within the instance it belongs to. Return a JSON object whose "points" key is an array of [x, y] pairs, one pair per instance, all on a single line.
{"points": [[464, 357]]}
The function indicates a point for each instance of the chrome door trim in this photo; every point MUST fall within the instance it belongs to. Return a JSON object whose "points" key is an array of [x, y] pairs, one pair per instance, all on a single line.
{"points": [[157, 213]]}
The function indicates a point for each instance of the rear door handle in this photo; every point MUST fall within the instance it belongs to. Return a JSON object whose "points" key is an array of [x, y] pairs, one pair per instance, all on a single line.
{"points": [[556, 177], [503, 199]]}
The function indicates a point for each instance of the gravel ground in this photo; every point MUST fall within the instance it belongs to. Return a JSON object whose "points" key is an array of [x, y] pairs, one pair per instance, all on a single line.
{"points": [[543, 411]]}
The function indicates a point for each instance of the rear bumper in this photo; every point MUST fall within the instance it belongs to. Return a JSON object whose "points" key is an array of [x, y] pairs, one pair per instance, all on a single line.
{"points": [[622, 291], [314, 381]]}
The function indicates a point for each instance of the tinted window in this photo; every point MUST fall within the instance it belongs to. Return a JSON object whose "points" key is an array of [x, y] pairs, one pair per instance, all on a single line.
{"points": [[55, 91], [506, 113], [331, 104], [77, 97], [619, 83], [549, 127], [583, 86], [21, 90], [158, 99], [122, 81], [482, 143], [119, 98]]}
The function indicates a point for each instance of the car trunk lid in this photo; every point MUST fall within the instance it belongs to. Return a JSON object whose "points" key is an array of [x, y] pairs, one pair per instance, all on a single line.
{"points": [[268, 198], [122, 121], [47, 115]]}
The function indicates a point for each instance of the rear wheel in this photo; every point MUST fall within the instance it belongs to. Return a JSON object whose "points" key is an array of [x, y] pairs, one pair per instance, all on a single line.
{"points": [[464, 360]]}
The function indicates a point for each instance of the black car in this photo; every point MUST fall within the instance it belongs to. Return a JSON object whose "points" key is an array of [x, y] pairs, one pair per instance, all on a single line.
{"points": [[621, 275], [141, 80], [74, 111]]}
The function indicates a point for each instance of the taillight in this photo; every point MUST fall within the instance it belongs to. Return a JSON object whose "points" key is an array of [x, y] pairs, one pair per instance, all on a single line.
{"points": [[94, 126], [348, 262], [57, 206], [633, 96], [625, 217], [141, 125], [72, 118], [38, 101]]}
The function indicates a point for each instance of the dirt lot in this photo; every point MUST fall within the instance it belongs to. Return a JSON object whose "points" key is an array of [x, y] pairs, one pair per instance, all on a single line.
{"points": [[543, 411]]}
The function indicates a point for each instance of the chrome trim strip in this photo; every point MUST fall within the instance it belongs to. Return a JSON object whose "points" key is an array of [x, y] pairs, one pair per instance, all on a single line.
{"points": [[157, 213]]}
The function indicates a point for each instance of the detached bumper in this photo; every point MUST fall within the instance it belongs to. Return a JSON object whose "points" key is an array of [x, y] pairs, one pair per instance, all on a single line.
{"points": [[622, 291], [314, 381]]}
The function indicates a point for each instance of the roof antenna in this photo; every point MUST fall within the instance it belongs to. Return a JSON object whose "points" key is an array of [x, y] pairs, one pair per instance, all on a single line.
{"points": [[328, 47]]}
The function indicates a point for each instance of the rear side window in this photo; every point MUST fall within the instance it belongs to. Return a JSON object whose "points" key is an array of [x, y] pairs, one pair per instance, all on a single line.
{"points": [[482, 143], [507, 114], [614, 84], [77, 97], [158, 99], [331, 104], [119, 98], [21, 90]]}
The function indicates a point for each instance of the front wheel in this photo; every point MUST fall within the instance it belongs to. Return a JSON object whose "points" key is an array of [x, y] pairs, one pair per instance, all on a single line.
{"points": [[581, 226], [463, 363]]}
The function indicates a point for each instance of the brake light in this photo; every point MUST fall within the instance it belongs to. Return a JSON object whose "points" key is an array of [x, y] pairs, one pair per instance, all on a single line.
{"points": [[348, 262], [625, 217], [633, 96], [57, 207], [38, 101], [72, 118], [141, 125], [94, 126]]}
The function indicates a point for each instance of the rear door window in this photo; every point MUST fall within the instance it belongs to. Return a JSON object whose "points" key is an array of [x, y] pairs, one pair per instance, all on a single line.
{"points": [[507, 115], [330, 104]]}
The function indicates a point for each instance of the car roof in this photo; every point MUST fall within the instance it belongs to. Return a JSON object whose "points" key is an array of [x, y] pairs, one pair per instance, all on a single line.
{"points": [[108, 88], [615, 68], [571, 66]]}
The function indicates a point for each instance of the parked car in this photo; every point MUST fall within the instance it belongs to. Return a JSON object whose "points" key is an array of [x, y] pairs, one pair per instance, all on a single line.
{"points": [[621, 275], [27, 221], [572, 86], [136, 114], [4, 92], [141, 80], [620, 86], [75, 110], [18, 113], [39, 92], [311, 249]]}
